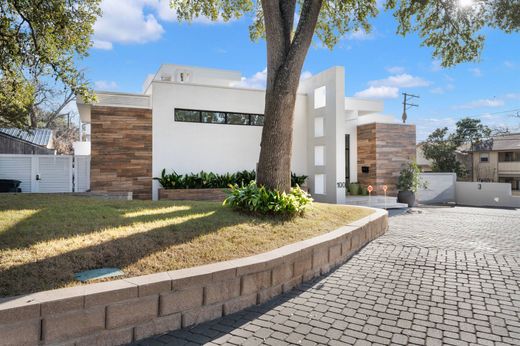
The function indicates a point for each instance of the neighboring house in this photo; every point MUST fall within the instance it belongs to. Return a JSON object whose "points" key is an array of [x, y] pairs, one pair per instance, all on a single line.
{"points": [[190, 119], [424, 164], [35, 141], [498, 160]]}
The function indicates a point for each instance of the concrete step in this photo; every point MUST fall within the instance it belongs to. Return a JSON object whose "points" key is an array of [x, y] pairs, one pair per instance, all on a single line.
{"points": [[376, 202]]}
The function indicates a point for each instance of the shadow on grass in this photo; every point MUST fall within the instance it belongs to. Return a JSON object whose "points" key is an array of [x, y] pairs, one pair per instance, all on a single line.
{"points": [[45, 219], [57, 271]]}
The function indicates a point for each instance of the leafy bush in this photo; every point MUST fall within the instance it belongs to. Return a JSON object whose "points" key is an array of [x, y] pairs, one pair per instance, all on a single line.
{"points": [[205, 180], [410, 179], [257, 199], [298, 180]]}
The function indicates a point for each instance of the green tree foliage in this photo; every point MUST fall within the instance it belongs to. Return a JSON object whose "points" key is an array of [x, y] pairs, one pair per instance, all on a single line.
{"points": [[441, 147], [441, 150], [49, 34], [470, 131]]}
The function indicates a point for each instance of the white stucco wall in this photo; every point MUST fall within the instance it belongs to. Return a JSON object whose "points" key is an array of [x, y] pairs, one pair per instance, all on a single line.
{"points": [[192, 147], [440, 188], [486, 195]]}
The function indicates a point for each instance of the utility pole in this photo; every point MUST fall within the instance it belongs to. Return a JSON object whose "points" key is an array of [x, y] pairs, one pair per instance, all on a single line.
{"points": [[407, 105]]}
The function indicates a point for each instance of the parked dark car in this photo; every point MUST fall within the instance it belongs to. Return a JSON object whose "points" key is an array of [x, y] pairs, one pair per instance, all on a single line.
{"points": [[10, 185]]}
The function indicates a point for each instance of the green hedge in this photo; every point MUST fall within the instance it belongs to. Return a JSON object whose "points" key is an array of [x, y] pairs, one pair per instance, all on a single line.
{"points": [[208, 180]]}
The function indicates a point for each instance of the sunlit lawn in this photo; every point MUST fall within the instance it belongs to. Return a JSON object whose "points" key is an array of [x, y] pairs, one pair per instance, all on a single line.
{"points": [[45, 239]]}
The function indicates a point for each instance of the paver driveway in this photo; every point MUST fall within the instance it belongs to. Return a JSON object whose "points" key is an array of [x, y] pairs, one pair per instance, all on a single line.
{"points": [[439, 276]]}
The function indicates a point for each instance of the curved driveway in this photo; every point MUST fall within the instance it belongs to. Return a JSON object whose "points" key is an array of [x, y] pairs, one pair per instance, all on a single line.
{"points": [[439, 276]]}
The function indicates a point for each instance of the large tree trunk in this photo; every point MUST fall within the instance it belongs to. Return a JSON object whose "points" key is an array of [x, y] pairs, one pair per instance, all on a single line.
{"points": [[285, 56]]}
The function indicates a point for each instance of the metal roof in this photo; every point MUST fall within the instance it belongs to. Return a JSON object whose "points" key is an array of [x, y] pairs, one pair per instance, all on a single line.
{"points": [[41, 137]]}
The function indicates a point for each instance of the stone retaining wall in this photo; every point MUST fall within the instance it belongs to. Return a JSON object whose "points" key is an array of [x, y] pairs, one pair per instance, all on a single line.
{"points": [[122, 311], [217, 195]]}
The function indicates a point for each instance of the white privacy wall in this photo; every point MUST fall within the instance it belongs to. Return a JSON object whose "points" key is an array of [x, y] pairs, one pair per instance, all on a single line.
{"points": [[486, 195], [192, 147], [440, 188]]}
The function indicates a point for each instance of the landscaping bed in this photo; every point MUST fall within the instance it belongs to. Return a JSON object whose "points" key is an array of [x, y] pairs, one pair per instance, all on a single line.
{"points": [[45, 239]]}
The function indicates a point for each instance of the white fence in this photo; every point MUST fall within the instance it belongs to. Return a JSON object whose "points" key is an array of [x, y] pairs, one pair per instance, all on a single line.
{"points": [[443, 188], [47, 173]]}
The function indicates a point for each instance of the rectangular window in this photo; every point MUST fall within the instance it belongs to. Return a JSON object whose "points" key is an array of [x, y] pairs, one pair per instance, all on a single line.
{"points": [[509, 156], [320, 97], [257, 120], [319, 155], [187, 115], [237, 119], [318, 127], [319, 184], [216, 117], [484, 157]]}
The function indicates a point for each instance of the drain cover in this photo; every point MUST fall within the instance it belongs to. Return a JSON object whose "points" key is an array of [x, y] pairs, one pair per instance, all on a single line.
{"points": [[100, 273]]}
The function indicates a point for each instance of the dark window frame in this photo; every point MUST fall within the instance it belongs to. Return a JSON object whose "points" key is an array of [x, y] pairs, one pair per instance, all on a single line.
{"points": [[226, 113]]}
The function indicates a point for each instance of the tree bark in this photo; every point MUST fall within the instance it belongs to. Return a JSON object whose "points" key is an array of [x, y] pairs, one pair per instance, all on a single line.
{"points": [[285, 57]]}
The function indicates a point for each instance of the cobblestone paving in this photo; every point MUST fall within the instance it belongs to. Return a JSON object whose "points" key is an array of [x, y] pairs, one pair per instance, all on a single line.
{"points": [[440, 276]]}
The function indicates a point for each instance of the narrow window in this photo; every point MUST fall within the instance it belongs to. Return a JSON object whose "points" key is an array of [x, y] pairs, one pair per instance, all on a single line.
{"points": [[319, 184], [214, 117], [319, 155], [238, 119], [187, 115], [320, 97], [484, 157], [318, 127], [257, 119]]}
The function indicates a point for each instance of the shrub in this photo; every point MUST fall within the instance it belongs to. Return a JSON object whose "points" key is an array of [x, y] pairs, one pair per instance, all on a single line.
{"points": [[410, 179], [257, 199], [205, 180]]}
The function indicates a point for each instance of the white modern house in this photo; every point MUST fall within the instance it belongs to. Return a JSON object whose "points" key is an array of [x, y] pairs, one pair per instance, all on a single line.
{"points": [[190, 119]]}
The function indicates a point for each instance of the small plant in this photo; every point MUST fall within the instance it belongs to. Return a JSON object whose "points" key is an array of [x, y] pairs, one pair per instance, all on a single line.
{"points": [[410, 179], [354, 189], [257, 199], [298, 180]]}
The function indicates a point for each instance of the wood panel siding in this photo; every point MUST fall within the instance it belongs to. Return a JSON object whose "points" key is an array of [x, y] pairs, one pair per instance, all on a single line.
{"points": [[121, 151], [384, 148]]}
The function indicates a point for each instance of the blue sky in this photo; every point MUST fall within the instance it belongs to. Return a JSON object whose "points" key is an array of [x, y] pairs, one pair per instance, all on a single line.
{"points": [[133, 38]]}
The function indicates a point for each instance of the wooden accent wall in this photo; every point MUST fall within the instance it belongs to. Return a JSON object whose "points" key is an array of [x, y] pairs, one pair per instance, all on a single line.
{"points": [[121, 151], [384, 148]]}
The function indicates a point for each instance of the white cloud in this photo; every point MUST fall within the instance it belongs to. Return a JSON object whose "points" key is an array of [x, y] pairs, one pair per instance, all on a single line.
{"points": [[403, 80], [482, 103], [305, 75], [125, 22], [442, 90], [384, 92], [259, 80], [256, 81], [360, 35], [476, 72], [105, 85], [134, 21], [509, 64], [396, 69], [436, 65], [512, 96]]}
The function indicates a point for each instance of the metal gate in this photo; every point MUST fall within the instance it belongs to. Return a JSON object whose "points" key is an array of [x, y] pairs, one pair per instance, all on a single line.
{"points": [[47, 173]]}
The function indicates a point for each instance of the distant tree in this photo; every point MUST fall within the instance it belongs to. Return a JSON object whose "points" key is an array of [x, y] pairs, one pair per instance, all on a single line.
{"points": [[441, 150], [470, 131], [35, 35], [453, 30]]}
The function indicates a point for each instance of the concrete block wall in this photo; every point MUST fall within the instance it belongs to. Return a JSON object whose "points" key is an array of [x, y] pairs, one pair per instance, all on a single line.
{"points": [[123, 311]]}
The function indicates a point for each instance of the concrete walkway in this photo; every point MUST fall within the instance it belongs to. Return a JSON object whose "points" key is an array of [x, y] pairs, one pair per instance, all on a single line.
{"points": [[440, 276]]}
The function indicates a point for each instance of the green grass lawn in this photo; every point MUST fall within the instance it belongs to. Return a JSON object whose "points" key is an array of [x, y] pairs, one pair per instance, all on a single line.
{"points": [[45, 239]]}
